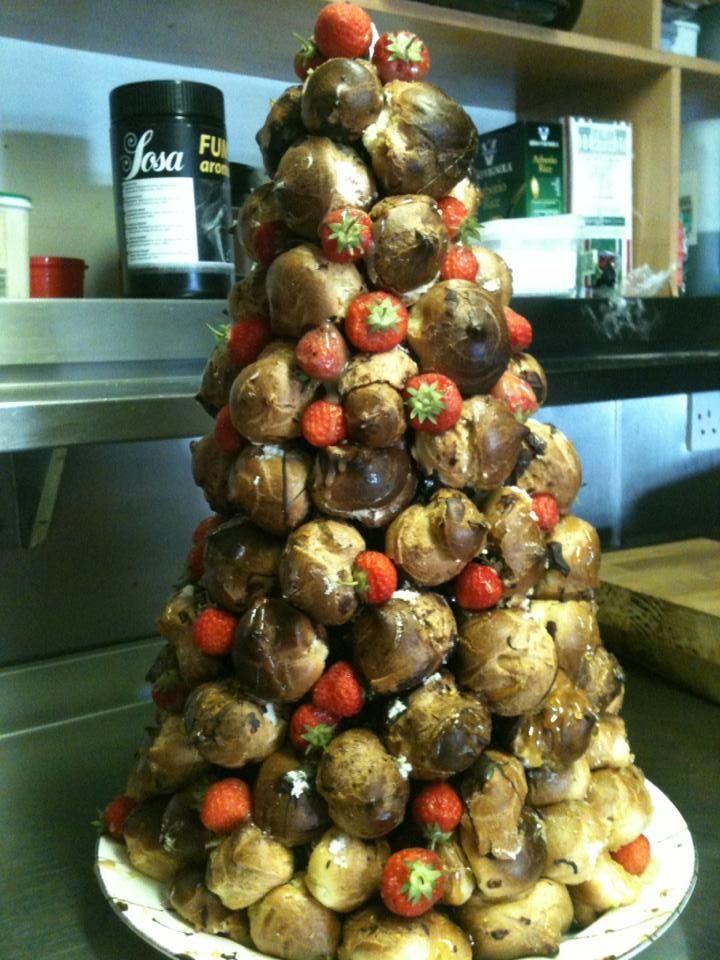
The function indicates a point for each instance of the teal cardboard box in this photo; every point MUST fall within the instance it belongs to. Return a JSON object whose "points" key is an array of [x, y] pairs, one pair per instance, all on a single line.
{"points": [[520, 169]]}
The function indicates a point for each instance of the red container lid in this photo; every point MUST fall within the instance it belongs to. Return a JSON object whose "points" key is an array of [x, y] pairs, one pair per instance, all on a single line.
{"points": [[57, 276]]}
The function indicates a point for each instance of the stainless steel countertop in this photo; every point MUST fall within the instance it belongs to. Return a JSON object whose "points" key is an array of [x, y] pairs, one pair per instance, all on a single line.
{"points": [[56, 777]]}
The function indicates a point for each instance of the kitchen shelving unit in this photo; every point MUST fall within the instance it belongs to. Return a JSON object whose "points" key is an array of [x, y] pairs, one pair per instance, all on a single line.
{"points": [[610, 66]]}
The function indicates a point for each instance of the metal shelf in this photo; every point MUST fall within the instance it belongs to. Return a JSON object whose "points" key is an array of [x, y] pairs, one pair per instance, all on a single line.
{"points": [[614, 350], [94, 371]]}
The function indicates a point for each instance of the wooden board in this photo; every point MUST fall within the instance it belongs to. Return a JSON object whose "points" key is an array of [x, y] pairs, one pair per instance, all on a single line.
{"points": [[660, 607]]}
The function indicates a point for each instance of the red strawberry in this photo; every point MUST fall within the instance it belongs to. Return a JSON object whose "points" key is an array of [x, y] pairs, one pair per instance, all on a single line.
{"points": [[113, 817], [375, 576], [438, 809], [546, 509], [339, 691], [376, 322], [520, 330], [213, 631], [459, 264], [311, 727], [454, 213], [517, 394], [400, 56], [227, 804], [323, 424], [169, 692], [246, 338], [478, 587], [458, 223], [634, 856], [343, 30], [345, 234], [205, 526], [226, 436], [194, 561], [268, 240], [322, 353], [433, 401], [412, 881], [307, 58]]}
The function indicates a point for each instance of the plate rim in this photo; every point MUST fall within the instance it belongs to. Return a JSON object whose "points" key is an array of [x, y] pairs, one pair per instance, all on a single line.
{"points": [[223, 946]]}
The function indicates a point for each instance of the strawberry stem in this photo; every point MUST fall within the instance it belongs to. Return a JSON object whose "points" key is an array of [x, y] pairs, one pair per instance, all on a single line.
{"points": [[422, 878], [347, 233], [425, 402], [469, 230], [382, 316], [405, 46]]}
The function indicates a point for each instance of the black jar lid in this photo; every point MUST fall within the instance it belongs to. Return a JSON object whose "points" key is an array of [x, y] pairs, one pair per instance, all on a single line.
{"points": [[170, 98]]}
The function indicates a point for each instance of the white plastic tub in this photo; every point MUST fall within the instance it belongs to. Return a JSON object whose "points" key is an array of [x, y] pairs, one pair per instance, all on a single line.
{"points": [[542, 252], [14, 246]]}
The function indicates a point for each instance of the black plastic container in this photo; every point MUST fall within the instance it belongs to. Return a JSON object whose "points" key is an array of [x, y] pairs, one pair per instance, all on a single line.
{"points": [[562, 14], [172, 189]]}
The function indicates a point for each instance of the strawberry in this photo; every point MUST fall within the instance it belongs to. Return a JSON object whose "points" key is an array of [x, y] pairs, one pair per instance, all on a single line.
{"points": [[307, 58], [459, 264], [268, 240], [205, 526], [113, 817], [322, 353], [226, 436], [546, 510], [345, 234], [400, 56], [213, 631], [227, 804], [194, 562], [343, 30], [433, 401], [520, 330], [412, 881], [438, 809], [323, 424], [339, 691], [311, 727], [478, 587], [634, 856], [517, 394], [246, 338], [454, 214], [376, 322], [459, 224], [374, 576], [169, 692]]}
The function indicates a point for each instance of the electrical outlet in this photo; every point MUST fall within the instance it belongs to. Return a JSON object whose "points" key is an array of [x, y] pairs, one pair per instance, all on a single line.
{"points": [[703, 426]]}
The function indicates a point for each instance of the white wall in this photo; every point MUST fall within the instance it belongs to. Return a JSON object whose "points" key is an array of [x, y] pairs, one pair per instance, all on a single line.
{"points": [[54, 141]]}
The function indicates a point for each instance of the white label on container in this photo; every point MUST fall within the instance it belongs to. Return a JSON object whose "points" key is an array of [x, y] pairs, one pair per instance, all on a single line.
{"points": [[160, 227]]}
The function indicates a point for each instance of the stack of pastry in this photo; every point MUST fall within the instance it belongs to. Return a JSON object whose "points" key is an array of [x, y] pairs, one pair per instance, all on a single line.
{"points": [[387, 726]]}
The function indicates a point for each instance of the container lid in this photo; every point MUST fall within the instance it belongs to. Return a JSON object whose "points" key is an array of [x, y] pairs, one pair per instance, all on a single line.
{"points": [[15, 200], [167, 98], [57, 262]]}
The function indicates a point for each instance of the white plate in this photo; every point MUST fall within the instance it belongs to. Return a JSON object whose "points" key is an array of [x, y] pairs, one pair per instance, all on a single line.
{"points": [[141, 903]]}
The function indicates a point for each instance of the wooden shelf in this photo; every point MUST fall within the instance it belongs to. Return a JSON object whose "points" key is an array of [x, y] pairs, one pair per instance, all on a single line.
{"points": [[609, 66]]}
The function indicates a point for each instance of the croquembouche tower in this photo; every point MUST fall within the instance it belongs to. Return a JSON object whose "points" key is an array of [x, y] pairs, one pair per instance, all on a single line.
{"points": [[386, 724]]}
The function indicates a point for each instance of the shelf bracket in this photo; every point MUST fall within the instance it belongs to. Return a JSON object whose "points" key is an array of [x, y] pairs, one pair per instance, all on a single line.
{"points": [[29, 486]]}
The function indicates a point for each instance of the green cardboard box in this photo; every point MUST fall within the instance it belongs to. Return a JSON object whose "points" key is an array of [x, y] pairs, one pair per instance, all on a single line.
{"points": [[520, 169]]}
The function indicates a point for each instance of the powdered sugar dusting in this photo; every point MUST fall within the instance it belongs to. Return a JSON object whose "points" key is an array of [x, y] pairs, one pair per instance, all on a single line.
{"points": [[299, 782], [404, 766], [395, 709]]}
